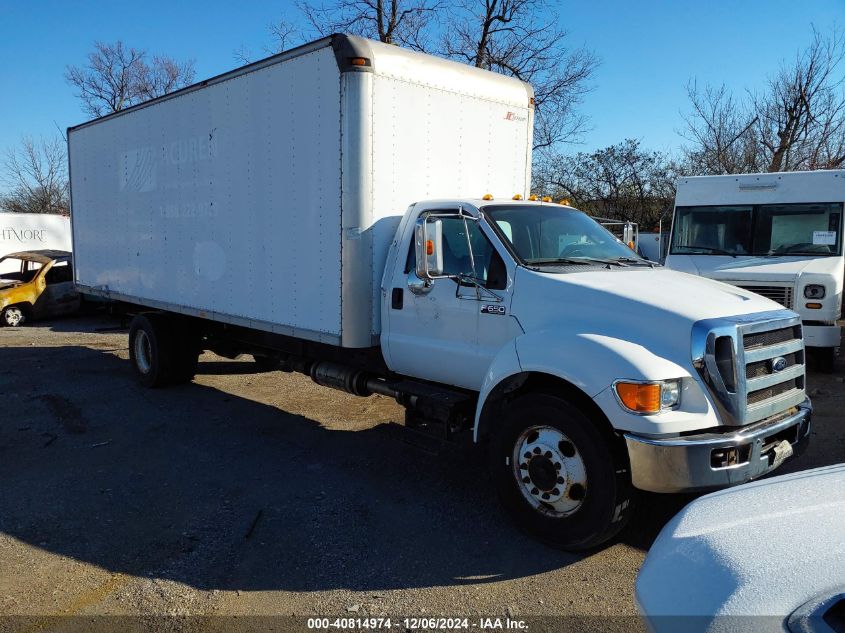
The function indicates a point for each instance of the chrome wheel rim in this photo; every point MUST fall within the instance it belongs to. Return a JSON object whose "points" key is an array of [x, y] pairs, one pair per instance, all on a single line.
{"points": [[549, 471], [13, 316], [143, 352]]}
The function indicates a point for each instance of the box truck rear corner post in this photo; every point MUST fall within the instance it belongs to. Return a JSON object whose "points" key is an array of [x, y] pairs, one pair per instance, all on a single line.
{"points": [[360, 214]]}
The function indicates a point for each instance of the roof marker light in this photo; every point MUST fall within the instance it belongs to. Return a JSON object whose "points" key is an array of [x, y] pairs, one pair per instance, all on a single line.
{"points": [[533, 197], [487, 196], [517, 196]]}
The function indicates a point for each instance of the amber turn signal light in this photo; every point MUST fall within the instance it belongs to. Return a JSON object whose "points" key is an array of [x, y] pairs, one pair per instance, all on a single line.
{"points": [[642, 398]]}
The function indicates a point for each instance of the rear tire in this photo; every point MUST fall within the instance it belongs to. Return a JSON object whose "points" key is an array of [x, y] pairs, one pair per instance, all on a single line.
{"points": [[556, 473], [162, 351]]}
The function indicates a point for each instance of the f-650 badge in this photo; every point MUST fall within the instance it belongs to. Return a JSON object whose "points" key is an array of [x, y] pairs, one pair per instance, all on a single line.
{"points": [[493, 309]]}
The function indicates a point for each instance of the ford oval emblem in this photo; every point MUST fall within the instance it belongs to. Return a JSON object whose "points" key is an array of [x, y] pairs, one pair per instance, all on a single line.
{"points": [[778, 364]]}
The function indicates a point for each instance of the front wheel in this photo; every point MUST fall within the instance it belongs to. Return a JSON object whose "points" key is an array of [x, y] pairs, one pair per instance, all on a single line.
{"points": [[13, 316], [560, 479]]}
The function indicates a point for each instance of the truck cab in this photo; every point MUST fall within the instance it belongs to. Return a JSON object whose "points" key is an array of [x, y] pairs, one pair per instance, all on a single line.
{"points": [[778, 235], [685, 383]]}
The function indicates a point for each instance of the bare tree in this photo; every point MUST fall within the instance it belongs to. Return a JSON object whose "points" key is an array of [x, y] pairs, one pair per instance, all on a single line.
{"points": [[36, 177], [518, 38], [402, 22], [801, 112], [721, 132], [284, 34], [795, 122], [116, 77], [623, 182]]}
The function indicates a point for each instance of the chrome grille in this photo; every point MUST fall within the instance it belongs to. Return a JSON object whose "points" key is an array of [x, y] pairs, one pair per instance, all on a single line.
{"points": [[738, 359], [770, 391], [781, 294]]}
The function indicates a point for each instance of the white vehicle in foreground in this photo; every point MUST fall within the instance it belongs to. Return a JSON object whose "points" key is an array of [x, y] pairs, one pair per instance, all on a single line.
{"points": [[766, 556], [779, 235], [314, 210]]}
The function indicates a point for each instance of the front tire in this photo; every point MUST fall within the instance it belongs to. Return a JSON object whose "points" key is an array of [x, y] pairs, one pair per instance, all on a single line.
{"points": [[559, 477], [13, 316]]}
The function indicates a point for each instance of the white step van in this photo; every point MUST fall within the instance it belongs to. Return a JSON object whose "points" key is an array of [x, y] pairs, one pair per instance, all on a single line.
{"points": [[778, 235], [360, 213]]}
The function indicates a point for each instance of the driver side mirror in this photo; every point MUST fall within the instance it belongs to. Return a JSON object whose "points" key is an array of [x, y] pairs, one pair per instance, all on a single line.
{"points": [[428, 240]]}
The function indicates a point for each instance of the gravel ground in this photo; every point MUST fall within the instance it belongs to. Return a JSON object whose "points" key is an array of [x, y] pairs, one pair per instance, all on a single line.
{"points": [[250, 494]]}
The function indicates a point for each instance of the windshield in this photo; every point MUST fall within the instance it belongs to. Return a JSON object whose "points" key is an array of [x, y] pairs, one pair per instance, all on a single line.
{"points": [[766, 230], [541, 234]]}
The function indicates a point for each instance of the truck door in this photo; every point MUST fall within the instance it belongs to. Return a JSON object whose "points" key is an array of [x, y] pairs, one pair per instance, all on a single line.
{"points": [[450, 333]]}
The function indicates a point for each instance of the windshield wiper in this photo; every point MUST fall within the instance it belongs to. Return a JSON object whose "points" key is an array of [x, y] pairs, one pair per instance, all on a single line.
{"points": [[635, 260], [557, 260], [584, 261], [709, 249]]}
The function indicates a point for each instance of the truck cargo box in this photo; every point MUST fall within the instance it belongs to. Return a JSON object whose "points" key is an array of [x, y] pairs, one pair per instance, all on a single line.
{"points": [[268, 196]]}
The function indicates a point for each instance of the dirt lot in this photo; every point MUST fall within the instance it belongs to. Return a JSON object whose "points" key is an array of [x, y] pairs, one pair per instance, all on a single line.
{"points": [[261, 494]]}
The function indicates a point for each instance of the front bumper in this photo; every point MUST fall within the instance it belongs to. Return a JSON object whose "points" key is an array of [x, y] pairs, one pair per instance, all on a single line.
{"points": [[693, 462], [822, 335]]}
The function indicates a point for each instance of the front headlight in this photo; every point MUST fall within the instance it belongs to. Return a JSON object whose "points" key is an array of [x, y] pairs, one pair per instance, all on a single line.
{"points": [[647, 398], [814, 291]]}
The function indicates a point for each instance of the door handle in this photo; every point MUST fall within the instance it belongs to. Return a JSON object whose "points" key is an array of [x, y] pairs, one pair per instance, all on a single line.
{"points": [[397, 298]]}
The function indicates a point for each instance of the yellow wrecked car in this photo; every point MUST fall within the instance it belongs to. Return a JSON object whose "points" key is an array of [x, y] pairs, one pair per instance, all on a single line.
{"points": [[37, 285]]}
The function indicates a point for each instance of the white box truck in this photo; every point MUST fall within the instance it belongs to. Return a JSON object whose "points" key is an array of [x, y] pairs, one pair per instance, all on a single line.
{"points": [[778, 235], [356, 212]]}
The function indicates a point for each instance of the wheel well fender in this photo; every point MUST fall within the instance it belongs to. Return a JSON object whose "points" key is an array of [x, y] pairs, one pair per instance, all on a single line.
{"points": [[25, 306], [525, 382]]}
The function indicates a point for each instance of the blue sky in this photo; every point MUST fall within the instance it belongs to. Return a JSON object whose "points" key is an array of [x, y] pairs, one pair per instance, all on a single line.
{"points": [[649, 50]]}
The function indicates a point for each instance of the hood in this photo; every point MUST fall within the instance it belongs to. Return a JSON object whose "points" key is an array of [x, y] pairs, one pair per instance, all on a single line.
{"points": [[763, 548], [782, 269], [655, 308]]}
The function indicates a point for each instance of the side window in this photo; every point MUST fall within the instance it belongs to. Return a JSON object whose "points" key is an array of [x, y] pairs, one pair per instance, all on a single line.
{"points": [[59, 273], [489, 267]]}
